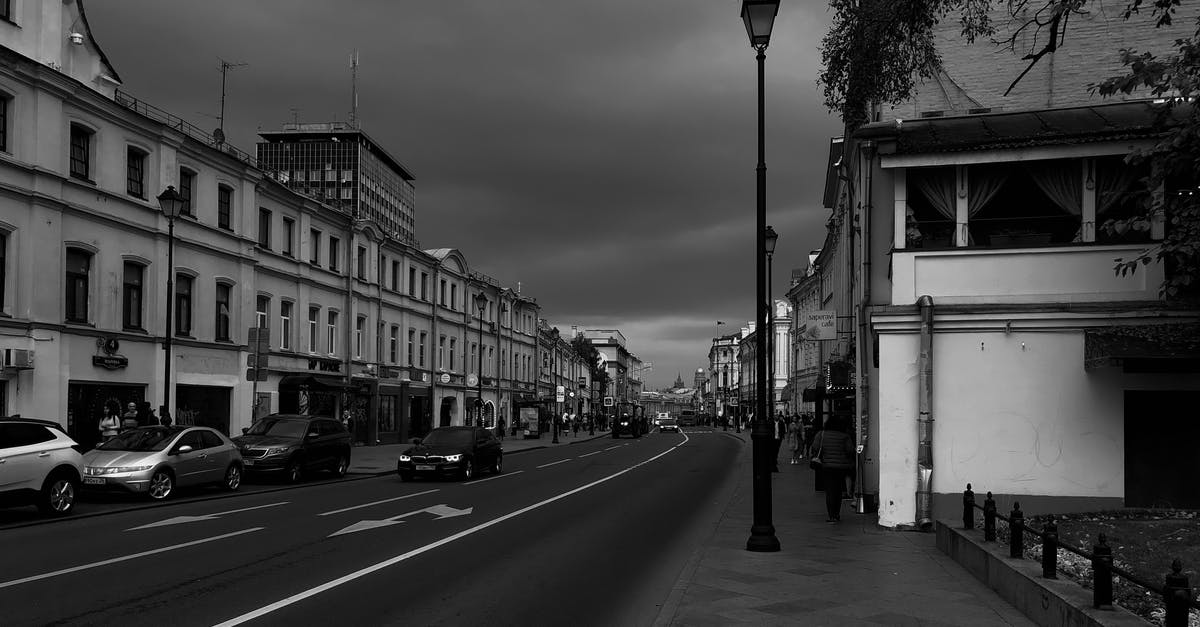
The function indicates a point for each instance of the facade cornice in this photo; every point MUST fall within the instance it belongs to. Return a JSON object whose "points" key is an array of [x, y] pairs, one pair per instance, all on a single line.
{"points": [[1025, 319]]}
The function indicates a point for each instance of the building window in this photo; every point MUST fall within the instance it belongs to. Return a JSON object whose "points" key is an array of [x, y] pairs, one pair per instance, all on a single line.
{"points": [[395, 275], [3, 268], [314, 315], [441, 356], [131, 296], [6, 10], [221, 333], [361, 263], [263, 305], [1023, 204], [314, 247], [264, 228], [225, 207], [5, 103], [289, 237], [424, 287], [360, 327], [79, 263], [412, 281], [333, 253], [135, 172], [474, 356], [394, 344], [187, 180], [442, 293], [81, 152], [491, 358], [454, 296], [285, 325], [331, 330], [421, 355], [183, 305], [411, 335]]}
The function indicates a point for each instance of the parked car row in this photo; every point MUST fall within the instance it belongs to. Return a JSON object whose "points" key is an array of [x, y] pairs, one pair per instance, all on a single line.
{"points": [[41, 465]]}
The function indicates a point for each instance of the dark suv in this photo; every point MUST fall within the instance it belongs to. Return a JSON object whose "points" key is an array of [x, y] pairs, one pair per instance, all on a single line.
{"points": [[293, 444]]}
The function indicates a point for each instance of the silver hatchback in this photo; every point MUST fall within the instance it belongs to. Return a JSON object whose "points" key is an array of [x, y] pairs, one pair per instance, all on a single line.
{"points": [[156, 460]]}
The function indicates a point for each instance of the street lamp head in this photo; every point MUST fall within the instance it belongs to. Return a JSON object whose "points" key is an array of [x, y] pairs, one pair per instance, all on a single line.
{"points": [[772, 237], [171, 202], [481, 301], [759, 16]]}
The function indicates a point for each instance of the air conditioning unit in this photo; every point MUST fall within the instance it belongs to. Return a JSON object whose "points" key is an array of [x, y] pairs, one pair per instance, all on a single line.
{"points": [[19, 359]]}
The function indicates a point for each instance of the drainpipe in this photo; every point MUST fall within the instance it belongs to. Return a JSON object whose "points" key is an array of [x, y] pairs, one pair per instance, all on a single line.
{"points": [[347, 264], [925, 417], [865, 348], [436, 407]]}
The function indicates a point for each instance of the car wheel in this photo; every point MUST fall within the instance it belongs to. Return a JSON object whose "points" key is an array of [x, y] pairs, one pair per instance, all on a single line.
{"points": [[293, 472], [341, 466], [468, 471], [406, 476], [161, 485], [58, 494], [233, 478], [497, 466]]}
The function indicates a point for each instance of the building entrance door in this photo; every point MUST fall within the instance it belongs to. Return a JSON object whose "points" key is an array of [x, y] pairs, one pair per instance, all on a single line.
{"points": [[1161, 465]]}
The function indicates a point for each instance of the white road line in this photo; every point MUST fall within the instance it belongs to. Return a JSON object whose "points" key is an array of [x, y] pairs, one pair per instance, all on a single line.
{"points": [[592, 453], [300, 596], [406, 496], [561, 461], [17, 582], [507, 474], [613, 447], [246, 509]]}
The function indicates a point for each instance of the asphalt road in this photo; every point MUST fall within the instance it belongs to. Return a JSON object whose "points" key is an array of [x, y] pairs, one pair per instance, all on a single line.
{"points": [[592, 534]]}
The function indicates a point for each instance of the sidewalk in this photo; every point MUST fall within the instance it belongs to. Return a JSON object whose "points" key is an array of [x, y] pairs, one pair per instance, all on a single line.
{"points": [[850, 573], [374, 460]]}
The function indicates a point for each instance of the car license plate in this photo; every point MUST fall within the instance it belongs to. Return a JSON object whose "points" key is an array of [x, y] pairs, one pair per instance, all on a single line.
{"points": [[424, 467], [94, 480], [248, 462]]}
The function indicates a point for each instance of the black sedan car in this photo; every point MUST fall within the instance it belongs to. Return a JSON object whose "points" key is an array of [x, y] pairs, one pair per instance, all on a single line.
{"points": [[452, 451], [293, 444]]}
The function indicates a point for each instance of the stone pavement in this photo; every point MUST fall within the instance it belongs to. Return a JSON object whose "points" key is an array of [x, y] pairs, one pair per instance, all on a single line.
{"points": [[850, 573], [374, 460]]}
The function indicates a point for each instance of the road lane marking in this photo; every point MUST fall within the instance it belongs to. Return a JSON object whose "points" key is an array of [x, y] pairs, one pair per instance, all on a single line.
{"points": [[441, 511], [329, 585], [406, 496], [73, 569], [187, 519], [561, 461], [613, 447], [592, 453], [507, 474]]}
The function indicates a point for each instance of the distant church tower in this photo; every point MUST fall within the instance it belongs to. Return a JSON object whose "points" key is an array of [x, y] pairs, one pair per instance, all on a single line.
{"points": [[678, 381]]}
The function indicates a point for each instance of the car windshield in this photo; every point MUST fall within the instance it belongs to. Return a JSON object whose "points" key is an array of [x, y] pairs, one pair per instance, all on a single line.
{"points": [[449, 437], [280, 427], [147, 439], [666, 421]]}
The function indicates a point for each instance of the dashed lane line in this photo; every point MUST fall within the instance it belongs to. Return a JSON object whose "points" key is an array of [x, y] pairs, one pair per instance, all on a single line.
{"points": [[561, 461], [397, 498], [507, 474]]}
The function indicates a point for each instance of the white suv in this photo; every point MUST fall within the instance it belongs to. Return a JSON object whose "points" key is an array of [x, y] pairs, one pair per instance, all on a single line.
{"points": [[39, 465]]}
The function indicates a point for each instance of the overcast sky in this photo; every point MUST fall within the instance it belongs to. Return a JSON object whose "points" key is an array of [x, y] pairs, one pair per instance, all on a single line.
{"points": [[601, 153]]}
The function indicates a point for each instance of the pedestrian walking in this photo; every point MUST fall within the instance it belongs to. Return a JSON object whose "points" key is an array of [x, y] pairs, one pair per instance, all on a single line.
{"points": [[793, 438], [808, 431], [110, 424], [500, 427], [778, 433], [164, 420], [835, 452]]}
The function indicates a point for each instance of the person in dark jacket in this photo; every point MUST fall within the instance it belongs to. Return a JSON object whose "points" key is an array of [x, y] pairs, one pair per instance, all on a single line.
{"points": [[836, 451]]}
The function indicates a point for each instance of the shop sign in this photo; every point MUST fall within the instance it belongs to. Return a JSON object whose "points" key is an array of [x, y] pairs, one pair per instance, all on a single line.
{"points": [[444, 378], [110, 362], [819, 325], [325, 365], [608, 401]]}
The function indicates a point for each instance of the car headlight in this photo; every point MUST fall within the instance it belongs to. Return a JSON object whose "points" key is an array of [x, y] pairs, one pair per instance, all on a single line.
{"points": [[113, 470], [454, 458], [405, 458], [279, 450]]}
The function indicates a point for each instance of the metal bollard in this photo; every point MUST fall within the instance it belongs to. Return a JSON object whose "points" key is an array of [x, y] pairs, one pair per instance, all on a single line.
{"points": [[1177, 596], [968, 508], [989, 518], [1016, 532], [1050, 549], [1102, 587]]}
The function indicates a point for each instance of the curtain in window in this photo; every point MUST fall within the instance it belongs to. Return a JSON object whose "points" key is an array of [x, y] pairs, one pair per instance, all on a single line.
{"points": [[983, 183], [1113, 177], [1060, 181], [937, 184]]}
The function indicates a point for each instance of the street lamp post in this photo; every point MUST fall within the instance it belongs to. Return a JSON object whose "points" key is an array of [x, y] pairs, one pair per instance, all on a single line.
{"points": [[481, 301], [556, 373], [171, 204], [759, 17], [771, 238]]}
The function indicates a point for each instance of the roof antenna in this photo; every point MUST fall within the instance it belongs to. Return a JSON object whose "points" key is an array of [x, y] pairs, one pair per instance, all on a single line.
{"points": [[354, 89], [295, 115], [219, 134]]}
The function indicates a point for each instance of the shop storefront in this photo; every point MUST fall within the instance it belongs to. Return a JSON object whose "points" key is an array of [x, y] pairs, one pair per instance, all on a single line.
{"points": [[203, 406], [417, 413], [85, 406]]}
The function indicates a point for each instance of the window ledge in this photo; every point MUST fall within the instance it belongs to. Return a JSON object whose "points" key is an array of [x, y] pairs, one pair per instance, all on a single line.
{"points": [[138, 330], [80, 323], [82, 179]]}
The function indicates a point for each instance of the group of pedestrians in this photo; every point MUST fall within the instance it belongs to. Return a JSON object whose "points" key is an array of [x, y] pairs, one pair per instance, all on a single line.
{"points": [[831, 451], [135, 415]]}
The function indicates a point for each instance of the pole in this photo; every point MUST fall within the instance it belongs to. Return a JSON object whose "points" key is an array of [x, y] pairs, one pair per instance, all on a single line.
{"points": [[770, 338], [166, 407], [479, 378], [555, 371], [762, 533]]}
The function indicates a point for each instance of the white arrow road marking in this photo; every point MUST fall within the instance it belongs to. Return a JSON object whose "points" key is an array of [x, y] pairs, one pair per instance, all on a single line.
{"points": [[441, 511], [561, 461], [392, 561], [406, 496], [187, 519], [17, 582]]}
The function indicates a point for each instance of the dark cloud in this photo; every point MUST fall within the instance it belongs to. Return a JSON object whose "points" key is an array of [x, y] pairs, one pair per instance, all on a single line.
{"points": [[600, 153]]}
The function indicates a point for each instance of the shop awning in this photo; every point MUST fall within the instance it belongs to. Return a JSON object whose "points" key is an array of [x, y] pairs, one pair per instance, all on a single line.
{"points": [[809, 395], [313, 382], [1144, 348]]}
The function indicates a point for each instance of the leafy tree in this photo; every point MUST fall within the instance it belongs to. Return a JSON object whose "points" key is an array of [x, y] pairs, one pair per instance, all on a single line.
{"points": [[876, 51], [591, 356]]}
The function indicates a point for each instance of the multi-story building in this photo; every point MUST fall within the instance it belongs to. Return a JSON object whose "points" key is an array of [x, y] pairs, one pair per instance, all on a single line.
{"points": [[804, 296], [339, 164], [621, 366], [333, 313], [983, 295], [724, 375]]}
